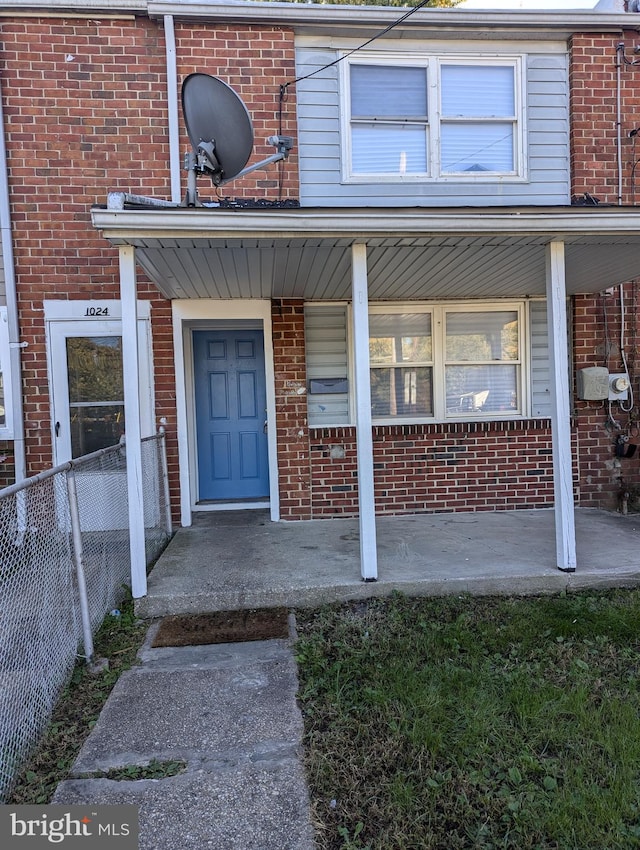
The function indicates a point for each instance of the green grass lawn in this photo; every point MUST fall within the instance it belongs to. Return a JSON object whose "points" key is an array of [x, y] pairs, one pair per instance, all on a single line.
{"points": [[474, 723]]}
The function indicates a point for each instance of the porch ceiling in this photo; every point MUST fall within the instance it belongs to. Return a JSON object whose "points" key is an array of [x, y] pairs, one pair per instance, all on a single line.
{"points": [[306, 254]]}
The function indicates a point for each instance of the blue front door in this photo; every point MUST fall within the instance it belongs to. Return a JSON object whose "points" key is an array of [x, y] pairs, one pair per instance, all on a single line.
{"points": [[231, 403]]}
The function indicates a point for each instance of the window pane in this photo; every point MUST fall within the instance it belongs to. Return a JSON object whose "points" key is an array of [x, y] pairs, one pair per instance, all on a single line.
{"points": [[95, 368], [477, 147], [489, 389], [388, 149], [477, 91], [482, 336], [96, 392], [383, 91], [399, 391], [95, 427], [400, 338]]}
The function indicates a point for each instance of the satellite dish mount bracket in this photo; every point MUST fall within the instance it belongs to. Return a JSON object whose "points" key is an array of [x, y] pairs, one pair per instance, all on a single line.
{"points": [[204, 161]]}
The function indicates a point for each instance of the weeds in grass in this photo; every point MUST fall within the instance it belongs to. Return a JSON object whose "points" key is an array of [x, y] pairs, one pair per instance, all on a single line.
{"points": [[469, 723], [155, 769], [118, 640]]}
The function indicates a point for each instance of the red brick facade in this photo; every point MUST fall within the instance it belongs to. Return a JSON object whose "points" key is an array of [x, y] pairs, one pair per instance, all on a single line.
{"points": [[596, 321], [7, 468], [295, 481], [436, 468], [85, 107], [85, 104]]}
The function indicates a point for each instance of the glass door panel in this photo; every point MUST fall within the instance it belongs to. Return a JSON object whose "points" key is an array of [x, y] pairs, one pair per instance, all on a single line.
{"points": [[96, 393]]}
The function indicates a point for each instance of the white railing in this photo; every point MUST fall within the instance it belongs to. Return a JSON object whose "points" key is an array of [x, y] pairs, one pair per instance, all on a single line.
{"points": [[64, 564]]}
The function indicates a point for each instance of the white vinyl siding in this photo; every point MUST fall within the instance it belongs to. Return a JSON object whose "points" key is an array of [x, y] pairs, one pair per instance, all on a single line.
{"points": [[544, 114], [327, 357], [539, 359]]}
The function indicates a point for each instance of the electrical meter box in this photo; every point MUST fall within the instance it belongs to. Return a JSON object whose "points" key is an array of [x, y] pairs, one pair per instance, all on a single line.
{"points": [[593, 383]]}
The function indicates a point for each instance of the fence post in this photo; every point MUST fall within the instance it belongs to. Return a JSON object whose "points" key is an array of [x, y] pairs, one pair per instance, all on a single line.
{"points": [[76, 535], [165, 476]]}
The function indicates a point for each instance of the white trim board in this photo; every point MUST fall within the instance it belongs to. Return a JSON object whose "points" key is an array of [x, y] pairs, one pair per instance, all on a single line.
{"points": [[188, 314]]}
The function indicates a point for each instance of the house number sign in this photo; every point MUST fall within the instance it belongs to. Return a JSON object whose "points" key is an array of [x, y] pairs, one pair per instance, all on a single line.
{"points": [[96, 311]]}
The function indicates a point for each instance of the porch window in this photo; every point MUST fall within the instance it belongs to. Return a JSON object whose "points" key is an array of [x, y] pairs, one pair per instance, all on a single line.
{"points": [[6, 425], [433, 118], [401, 358], [466, 361], [443, 362], [482, 362]]}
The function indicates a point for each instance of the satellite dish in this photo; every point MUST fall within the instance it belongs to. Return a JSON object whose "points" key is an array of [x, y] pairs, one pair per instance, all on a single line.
{"points": [[218, 125], [221, 134]]}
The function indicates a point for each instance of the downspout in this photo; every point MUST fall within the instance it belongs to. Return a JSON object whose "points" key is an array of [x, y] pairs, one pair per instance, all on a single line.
{"points": [[17, 412], [619, 55], [172, 105]]}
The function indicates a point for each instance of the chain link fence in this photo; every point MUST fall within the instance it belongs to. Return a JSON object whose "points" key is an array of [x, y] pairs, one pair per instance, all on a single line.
{"points": [[64, 563]]}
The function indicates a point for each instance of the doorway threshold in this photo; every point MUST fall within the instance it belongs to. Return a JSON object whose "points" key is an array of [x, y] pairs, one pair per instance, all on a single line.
{"points": [[232, 505]]}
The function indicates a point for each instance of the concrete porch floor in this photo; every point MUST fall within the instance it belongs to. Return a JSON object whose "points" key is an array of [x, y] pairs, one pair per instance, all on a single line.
{"points": [[240, 559]]}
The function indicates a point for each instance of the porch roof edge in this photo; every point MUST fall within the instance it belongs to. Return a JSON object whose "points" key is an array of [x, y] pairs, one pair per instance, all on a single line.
{"points": [[315, 14], [122, 227]]}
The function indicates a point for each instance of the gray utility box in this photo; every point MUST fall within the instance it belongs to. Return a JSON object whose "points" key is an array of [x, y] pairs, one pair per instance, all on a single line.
{"points": [[593, 383]]}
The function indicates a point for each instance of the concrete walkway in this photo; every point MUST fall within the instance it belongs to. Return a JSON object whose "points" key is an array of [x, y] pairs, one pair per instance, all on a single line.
{"points": [[231, 560], [229, 711]]}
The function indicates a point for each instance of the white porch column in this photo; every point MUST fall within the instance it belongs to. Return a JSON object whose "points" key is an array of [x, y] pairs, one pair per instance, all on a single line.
{"points": [[560, 422], [364, 436], [131, 369]]}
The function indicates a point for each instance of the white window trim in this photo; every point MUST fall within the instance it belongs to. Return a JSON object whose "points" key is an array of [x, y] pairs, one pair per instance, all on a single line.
{"points": [[6, 430], [432, 65]]}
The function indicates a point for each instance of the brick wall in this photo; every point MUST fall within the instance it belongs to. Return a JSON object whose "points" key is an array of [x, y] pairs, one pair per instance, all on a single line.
{"points": [[594, 162], [291, 409], [254, 61], [592, 78], [85, 103], [594, 117], [603, 474], [433, 468], [85, 113], [7, 466]]}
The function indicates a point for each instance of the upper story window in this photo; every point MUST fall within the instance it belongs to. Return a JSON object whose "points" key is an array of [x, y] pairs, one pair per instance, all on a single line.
{"points": [[434, 118]]}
